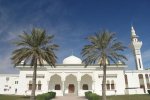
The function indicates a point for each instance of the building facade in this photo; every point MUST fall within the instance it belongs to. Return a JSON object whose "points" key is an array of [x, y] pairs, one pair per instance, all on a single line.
{"points": [[71, 77]]}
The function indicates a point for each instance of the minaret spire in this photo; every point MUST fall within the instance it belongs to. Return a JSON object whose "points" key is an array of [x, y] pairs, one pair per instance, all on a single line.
{"points": [[136, 46]]}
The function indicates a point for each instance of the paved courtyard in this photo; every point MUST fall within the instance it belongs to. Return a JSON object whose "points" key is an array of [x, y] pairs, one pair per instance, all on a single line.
{"points": [[69, 98]]}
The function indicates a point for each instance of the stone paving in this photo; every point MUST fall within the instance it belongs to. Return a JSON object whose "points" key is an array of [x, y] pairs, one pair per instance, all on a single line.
{"points": [[69, 97]]}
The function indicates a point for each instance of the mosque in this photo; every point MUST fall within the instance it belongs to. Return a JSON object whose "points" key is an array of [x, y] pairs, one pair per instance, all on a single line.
{"points": [[71, 77]]}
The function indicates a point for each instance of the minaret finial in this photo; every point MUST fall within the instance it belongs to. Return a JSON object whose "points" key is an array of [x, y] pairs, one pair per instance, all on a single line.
{"points": [[133, 31], [72, 51]]}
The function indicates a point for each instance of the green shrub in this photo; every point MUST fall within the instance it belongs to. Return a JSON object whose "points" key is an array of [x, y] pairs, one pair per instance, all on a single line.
{"points": [[94, 96], [52, 94], [148, 91], [87, 94], [40, 97], [46, 96]]}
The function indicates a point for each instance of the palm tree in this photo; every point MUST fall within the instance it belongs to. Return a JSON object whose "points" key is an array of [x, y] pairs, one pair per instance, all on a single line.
{"points": [[33, 49], [103, 48]]}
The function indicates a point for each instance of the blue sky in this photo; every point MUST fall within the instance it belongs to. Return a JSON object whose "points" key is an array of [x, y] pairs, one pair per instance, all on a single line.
{"points": [[71, 21]]}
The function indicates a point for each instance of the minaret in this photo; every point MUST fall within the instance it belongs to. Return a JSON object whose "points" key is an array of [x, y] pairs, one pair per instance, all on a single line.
{"points": [[136, 46]]}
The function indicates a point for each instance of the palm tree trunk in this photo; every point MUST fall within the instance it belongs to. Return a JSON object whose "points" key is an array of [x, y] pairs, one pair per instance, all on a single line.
{"points": [[34, 81], [104, 83]]}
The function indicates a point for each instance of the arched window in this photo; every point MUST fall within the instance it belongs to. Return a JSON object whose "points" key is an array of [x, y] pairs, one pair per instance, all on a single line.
{"points": [[141, 81], [85, 87], [108, 85], [30, 85], [7, 78], [112, 85], [147, 81], [57, 87], [39, 85], [126, 81]]}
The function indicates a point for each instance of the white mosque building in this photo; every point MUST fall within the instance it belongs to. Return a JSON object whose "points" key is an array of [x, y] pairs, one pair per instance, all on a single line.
{"points": [[71, 77]]}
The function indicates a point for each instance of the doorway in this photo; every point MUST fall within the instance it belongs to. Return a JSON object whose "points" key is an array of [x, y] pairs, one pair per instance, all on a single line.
{"points": [[71, 88]]}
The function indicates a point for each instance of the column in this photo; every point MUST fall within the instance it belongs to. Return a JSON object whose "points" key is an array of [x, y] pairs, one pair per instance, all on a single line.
{"points": [[93, 86], [78, 88], [48, 82], [63, 89]]}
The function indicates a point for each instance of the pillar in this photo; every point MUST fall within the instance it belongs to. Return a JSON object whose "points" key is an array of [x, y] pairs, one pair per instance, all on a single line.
{"points": [[63, 88], [93, 86], [78, 88], [48, 82]]}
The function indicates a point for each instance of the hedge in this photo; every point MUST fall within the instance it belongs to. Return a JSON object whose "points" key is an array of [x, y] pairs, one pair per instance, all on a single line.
{"points": [[92, 96], [148, 91], [46, 96], [87, 94]]}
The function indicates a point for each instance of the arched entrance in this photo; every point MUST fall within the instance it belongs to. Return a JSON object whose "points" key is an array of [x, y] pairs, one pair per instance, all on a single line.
{"points": [[86, 82], [71, 84], [55, 83]]}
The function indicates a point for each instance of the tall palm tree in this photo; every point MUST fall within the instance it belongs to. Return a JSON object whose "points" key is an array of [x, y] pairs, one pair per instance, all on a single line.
{"points": [[103, 48], [33, 49]]}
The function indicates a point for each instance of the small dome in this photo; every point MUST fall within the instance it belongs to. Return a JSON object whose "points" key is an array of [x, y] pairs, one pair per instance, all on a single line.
{"points": [[22, 62], [72, 60], [119, 62]]}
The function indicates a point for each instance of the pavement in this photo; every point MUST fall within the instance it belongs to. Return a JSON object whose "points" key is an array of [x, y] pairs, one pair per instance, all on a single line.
{"points": [[69, 97]]}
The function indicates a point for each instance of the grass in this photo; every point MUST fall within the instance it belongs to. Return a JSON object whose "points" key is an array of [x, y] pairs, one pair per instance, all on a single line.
{"points": [[129, 97], [121, 97], [13, 97]]}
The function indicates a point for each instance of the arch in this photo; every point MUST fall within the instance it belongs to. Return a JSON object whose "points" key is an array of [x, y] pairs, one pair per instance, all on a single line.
{"points": [[30, 82], [55, 80], [71, 84], [141, 81], [70, 75], [39, 82], [87, 76], [86, 82]]}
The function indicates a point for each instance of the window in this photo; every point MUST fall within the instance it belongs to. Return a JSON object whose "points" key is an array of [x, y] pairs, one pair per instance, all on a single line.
{"points": [[57, 87], [30, 85], [126, 81], [7, 78], [5, 89], [85, 87], [147, 81], [108, 85], [16, 82], [39, 85], [140, 63], [15, 90], [112, 85], [141, 81]]}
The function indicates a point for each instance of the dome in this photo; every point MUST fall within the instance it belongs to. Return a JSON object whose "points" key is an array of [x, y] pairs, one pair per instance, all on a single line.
{"points": [[72, 60]]}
